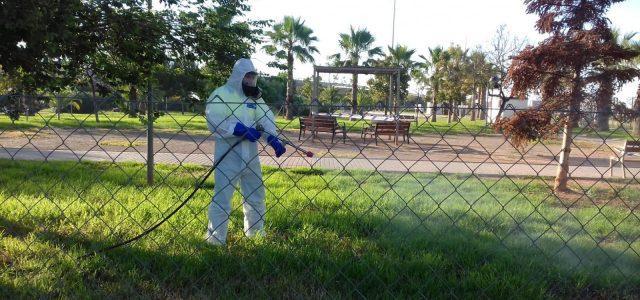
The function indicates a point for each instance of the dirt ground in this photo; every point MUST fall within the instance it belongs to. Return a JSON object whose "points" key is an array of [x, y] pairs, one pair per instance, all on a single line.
{"points": [[467, 148]]}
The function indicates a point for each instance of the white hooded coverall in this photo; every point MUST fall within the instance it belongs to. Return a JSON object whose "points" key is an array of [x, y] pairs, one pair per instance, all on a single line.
{"points": [[226, 106]]}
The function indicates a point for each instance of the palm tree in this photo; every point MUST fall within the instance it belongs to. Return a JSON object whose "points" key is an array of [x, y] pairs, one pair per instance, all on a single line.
{"points": [[605, 74], [290, 40], [330, 95], [636, 104], [436, 62], [629, 42], [481, 71], [401, 56], [456, 83], [354, 45]]}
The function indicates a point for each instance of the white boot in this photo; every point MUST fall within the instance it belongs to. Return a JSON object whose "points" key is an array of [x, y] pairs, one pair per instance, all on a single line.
{"points": [[212, 240]]}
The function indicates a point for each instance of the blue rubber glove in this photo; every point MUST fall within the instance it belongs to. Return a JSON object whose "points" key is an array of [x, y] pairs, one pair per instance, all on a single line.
{"points": [[248, 133], [277, 145]]}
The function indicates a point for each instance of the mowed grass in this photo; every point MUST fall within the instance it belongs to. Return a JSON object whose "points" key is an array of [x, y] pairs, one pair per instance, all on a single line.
{"points": [[331, 234], [174, 122], [192, 123], [196, 123]]}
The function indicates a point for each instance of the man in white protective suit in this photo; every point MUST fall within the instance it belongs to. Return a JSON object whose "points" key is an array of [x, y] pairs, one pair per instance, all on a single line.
{"points": [[233, 112]]}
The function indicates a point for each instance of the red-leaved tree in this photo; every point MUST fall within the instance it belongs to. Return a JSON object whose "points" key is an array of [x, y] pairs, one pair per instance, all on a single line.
{"points": [[559, 68]]}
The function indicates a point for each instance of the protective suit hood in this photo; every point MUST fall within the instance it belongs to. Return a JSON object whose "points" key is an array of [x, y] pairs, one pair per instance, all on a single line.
{"points": [[226, 107], [241, 68]]}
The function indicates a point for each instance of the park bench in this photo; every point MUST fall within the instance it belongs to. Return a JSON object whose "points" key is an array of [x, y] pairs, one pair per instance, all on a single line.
{"points": [[320, 123], [388, 128], [630, 148]]}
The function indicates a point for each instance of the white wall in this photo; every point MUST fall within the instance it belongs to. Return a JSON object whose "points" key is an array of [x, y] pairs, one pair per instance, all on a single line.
{"points": [[510, 108], [428, 107]]}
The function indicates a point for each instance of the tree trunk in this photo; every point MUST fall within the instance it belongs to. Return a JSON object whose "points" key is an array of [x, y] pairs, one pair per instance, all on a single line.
{"points": [[503, 104], [562, 175], [473, 103], [25, 108], [166, 107], [604, 98], [354, 94], [434, 109], [636, 109], [450, 112], [290, 88], [142, 104], [483, 102], [133, 101], [95, 104], [58, 107], [456, 112]]}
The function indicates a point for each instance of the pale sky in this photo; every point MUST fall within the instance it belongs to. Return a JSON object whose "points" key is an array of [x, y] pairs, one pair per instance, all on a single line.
{"points": [[419, 23]]}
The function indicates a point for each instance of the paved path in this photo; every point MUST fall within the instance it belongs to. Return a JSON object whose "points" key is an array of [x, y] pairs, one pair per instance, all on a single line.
{"points": [[327, 162]]}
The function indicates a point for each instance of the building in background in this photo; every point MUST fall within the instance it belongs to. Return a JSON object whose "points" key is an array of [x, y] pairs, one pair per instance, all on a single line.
{"points": [[512, 106]]}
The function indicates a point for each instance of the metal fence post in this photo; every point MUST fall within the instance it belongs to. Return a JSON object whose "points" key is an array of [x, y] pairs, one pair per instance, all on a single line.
{"points": [[150, 162]]}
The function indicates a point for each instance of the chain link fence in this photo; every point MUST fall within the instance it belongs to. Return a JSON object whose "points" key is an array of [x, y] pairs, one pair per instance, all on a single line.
{"points": [[392, 205]]}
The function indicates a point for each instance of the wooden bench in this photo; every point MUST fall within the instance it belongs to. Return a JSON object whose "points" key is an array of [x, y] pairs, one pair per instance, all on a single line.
{"points": [[319, 123], [630, 148], [388, 128]]}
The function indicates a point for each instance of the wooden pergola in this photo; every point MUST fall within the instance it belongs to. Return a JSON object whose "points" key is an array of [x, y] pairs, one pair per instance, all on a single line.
{"points": [[357, 70]]}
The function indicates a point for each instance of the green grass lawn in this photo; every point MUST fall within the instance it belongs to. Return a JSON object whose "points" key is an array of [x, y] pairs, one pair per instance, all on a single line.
{"points": [[196, 124], [331, 234], [616, 132], [174, 122]]}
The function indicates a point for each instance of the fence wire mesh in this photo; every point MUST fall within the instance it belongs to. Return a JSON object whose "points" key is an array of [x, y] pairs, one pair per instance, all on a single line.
{"points": [[392, 205]]}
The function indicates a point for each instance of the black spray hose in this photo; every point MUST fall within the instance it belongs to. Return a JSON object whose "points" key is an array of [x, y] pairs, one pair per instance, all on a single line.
{"points": [[152, 228], [206, 176]]}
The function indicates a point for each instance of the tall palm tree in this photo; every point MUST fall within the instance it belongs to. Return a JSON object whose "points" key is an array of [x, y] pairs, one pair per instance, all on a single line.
{"points": [[629, 42], [636, 104], [401, 56], [398, 57], [356, 45], [456, 83], [290, 40], [330, 95], [480, 73], [436, 63], [606, 81]]}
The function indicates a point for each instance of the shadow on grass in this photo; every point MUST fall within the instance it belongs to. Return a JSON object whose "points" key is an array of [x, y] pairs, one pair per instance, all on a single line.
{"points": [[9, 291], [314, 254], [371, 257], [306, 171]]}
